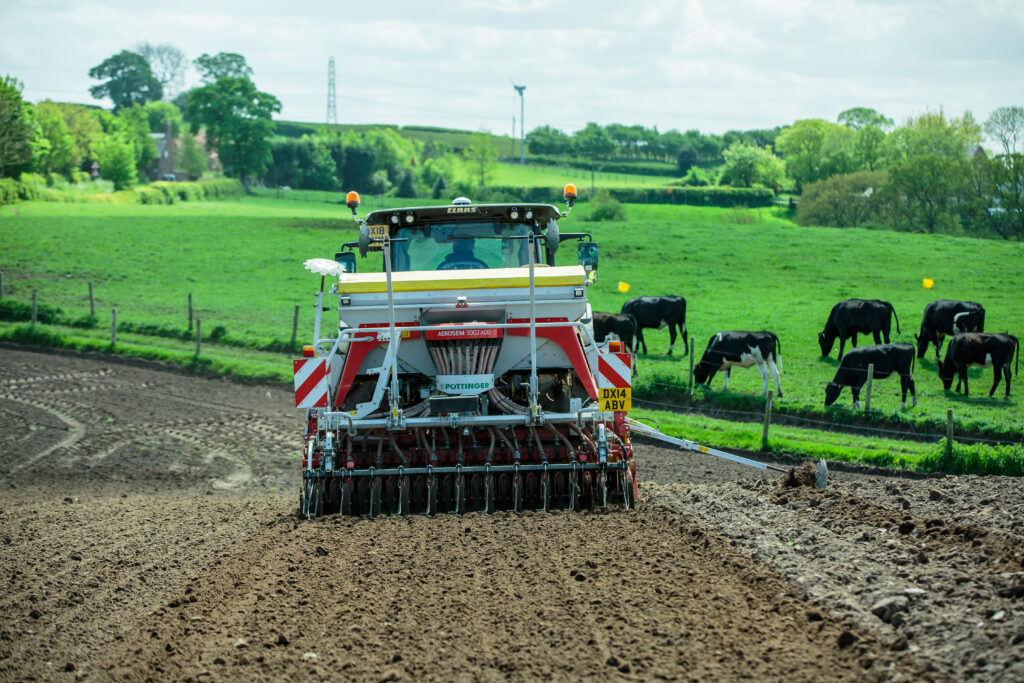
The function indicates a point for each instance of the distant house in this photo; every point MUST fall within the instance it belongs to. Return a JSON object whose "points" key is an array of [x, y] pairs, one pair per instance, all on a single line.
{"points": [[163, 167], [977, 151]]}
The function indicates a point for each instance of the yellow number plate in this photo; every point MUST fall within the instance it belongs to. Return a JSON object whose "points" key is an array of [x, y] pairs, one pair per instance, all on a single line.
{"points": [[618, 400], [378, 232]]}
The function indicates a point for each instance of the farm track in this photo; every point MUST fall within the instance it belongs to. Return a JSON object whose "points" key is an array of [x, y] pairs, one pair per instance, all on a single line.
{"points": [[148, 530]]}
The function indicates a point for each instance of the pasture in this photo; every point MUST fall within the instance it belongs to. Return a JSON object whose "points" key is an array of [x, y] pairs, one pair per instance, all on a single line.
{"points": [[737, 268], [514, 175]]}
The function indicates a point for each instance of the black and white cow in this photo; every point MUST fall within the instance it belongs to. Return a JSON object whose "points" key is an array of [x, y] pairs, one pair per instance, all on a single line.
{"points": [[615, 326], [979, 349], [887, 359], [657, 312], [857, 316], [947, 317], [743, 349]]}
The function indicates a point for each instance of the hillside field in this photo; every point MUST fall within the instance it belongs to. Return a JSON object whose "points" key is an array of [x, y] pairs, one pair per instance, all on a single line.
{"points": [[737, 268]]}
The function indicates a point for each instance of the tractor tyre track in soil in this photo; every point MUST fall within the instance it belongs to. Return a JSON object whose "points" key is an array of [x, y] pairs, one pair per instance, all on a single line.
{"points": [[161, 542]]}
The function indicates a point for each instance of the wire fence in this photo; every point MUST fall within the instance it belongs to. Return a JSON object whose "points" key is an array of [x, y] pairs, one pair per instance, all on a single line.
{"points": [[909, 433]]}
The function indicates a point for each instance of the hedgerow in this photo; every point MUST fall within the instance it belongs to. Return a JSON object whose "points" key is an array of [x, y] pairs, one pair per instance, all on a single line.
{"points": [[155, 193]]}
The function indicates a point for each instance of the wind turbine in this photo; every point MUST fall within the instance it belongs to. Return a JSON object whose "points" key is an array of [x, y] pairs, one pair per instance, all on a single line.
{"points": [[522, 128]]}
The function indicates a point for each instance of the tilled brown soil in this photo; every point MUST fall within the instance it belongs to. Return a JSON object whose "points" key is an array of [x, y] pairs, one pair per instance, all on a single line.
{"points": [[148, 530]]}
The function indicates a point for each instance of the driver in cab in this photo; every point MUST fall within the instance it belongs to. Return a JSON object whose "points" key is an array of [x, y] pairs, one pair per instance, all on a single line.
{"points": [[461, 256]]}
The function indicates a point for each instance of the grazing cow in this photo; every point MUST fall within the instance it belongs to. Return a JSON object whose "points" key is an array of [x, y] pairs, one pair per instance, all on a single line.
{"points": [[657, 312], [887, 359], [979, 349], [615, 326], [947, 317], [744, 349], [857, 316]]}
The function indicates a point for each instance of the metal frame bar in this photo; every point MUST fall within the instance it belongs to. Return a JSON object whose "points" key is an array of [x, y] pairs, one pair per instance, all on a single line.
{"points": [[339, 420], [688, 445], [469, 469]]}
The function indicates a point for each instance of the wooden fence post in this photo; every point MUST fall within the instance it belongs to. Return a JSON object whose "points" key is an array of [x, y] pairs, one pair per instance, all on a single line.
{"points": [[867, 387], [767, 421], [199, 334], [949, 432], [33, 308], [92, 303], [295, 325], [190, 311], [113, 327], [691, 372]]}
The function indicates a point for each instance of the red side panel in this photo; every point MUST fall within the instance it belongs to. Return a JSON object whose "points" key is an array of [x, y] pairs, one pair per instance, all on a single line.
{"points": [[357, 353], [568, 341]]}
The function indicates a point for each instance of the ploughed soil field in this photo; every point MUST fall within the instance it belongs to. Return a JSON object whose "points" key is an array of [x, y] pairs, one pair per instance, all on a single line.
{"points": [[148, 530]]}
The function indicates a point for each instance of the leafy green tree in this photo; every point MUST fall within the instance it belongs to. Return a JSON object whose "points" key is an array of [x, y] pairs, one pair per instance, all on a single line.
{"points": [[129, 80], [686, 159], [1006, 124], [405, 182], [167, 64], [440, 187], [548, 140], [709, 147], [481, 156], [115, 153], [222, 65], [237, 118], [868, 149], [322, 173], [672, 142], [698, 177], [135, 125], [593, 142], [747, 165], [605, 207], [84, 125], [934, 133], [814, 149], [858, 118], [1007, 183], [190, 157], [158, 112], [60, 154], [845, 200], [923, 192], [16, 129]]}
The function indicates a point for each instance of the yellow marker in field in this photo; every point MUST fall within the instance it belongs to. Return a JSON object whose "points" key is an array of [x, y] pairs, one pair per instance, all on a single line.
{"points": [[623, 287], [928, 283]]}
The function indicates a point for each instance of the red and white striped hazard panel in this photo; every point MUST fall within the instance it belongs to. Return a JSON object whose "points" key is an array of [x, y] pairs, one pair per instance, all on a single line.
{"points": [[310, 382], [614, 371]]}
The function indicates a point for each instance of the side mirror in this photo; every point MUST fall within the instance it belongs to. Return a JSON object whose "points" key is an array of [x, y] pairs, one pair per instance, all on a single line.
{"points": [[347, 260], [552, 241], [586, 255], [364, 239]]}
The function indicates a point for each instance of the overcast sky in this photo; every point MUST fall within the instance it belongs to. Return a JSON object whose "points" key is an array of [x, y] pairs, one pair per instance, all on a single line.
{"points": [[711, 65]]}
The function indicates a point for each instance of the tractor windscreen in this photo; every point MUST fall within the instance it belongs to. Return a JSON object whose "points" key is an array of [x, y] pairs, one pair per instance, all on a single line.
{"points": [[461, 246]]}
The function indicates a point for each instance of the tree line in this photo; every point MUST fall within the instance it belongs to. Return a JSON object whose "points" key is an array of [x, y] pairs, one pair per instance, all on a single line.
{"points": [[928, 174], [226, 114]]}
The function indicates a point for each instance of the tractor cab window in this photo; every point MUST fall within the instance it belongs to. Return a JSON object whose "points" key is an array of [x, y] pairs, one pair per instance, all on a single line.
{"points": [[461, 246]]}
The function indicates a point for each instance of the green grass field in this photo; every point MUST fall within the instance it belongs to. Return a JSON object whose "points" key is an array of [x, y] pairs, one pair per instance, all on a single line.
{"points": [[753, 269], [556, 177], [738, 269], [456, 139]]}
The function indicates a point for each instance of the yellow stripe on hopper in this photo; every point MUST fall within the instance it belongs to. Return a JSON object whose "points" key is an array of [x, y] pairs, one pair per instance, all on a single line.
{"points": [[493, 278]]}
